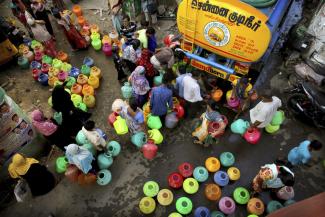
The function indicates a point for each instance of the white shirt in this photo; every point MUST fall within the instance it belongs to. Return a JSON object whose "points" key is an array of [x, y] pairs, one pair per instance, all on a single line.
{"points": [[264, 111], [191, 89], [94, 138]]}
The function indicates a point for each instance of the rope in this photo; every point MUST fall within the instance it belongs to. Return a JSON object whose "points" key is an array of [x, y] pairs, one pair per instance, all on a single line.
{"points": [[260, 3]]}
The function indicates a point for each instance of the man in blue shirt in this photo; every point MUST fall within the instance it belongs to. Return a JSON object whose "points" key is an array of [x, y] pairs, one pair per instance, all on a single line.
{"points": [[301, 154], [152, 41], [161, 99]]}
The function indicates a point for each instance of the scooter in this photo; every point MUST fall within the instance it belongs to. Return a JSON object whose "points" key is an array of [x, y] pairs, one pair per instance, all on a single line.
{"points": [[307, 103]]}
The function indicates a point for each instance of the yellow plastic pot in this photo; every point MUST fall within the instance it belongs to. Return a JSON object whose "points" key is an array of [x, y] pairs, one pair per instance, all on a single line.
{"points": [[147, 205], [93, 81], [87, 90], [156, 136], [165, 197], [89, 100], [95, 71], [272, 128], [212, 164], [233, 173], [52, 80]]}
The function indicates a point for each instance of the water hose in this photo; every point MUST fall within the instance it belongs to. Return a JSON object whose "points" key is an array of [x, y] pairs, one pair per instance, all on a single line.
{"points": [[260, 3]]}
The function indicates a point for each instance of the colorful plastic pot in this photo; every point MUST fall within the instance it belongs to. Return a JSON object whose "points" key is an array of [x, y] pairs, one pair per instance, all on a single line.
{"points": [[81, 21], [149, 150], [252, 215], [38, 56], [107, 49], [43, 79], [76, 89], [104, 160], [241, 195], [81, 138], [289, 202], [139, 139], [56, 63], [29, 55], [233, 102], [239, 126], [58, 83], [233, 173], [255, 206], [227, 159], [272, 128], [273, 206], [147, 205], [286, 193], [212, 192], [84, 32], [76, 9], [82, 79], [165, 197], [95, 36], [106, 40], [74, 72], [88, 61], [82, 106], [113, 148], [216, 94], [93, 81], [252, 135], [201, 174], [202, 211], [175, 180], [89, 101], [35, 65], [45, 68], [212, 164], [23, 62], [126, 90], [157, 80], [87, 90], [184, 205], [35, 43], [90, 148], [175, 214], [185, 169], [70, 82], [76, 99], [47, 59], [66, 67], [156, 136], [62, 76], [53, 71], [36, 73], [97, 44], [62, 56], [52, 80], [61, 164], [150, 188], [179, 111], [217, 214], [95, 71], [227, 205], [85, 70], [112, 118], [104, 177], [171, 120], [94, 28], [278, 118], [190, 186], [221, 178]]}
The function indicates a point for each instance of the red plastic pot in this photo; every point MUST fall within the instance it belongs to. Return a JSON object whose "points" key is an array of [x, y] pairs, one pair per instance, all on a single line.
{"points": [[149, 150], [36, 73], [112, 118], [175, 180], [186, 169], [252, 135], [179, 111]]}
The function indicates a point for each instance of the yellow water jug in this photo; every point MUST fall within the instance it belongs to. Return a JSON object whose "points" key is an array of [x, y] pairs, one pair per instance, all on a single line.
{"points": [[87, 90], [95, 71], [156, 136], [93, 81], [89, 100]]}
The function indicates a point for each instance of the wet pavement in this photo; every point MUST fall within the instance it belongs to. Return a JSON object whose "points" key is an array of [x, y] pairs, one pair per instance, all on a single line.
{"points": [[130, 170]]}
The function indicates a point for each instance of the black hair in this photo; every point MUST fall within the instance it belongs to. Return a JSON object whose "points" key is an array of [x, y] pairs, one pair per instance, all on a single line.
{"points": [[15, 115], [56, 13], [196, 73], [213, 105], [89, 125], [133, 103], [135, 43], [315, 145], [150, 30], [126, 17], [286, 177], [179, 54], [168, 76]]}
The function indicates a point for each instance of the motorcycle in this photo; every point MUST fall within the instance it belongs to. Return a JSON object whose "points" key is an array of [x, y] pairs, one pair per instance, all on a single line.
{"points": [[307, 103]]}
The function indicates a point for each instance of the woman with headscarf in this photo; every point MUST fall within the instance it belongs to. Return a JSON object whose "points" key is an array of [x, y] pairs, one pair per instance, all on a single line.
{"points": [[41, 34], [140, 85], [75, 39], [40, 13], [39, 179], [131, 113], [145, 62], [80, 157], [131, 54]]}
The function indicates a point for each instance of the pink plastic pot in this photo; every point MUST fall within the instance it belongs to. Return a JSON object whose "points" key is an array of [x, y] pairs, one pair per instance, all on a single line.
{"points": [[45, 68], [227, 205], [233, 102], [107, 49], [38, 56], [252, 135], [149, 150], [62, 76]]}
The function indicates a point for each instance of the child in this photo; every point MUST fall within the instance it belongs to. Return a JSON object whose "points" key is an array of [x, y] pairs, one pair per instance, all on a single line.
{"points": [[93, 135], [152, 41], [301, 154]]}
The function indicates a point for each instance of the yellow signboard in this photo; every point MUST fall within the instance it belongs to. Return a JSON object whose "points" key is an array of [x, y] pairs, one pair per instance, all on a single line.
{"points": [[231, 29]]}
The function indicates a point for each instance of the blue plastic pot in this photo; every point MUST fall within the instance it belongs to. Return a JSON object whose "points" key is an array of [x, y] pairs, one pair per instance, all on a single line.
{"points": [[101, 133], [113, 148], [104, 161], [201, 174], [273, 206], [88, 61], [139, 139], [23, 62], [43, 79], [202, 211], [74, 72], [221, 178], [104, 177], [35, 65], [227, 159], [81, 138], [239, 126]]}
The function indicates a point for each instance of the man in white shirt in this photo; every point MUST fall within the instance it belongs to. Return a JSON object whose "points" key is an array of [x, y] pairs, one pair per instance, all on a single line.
{"points": [[261, 115], [192, 92]]}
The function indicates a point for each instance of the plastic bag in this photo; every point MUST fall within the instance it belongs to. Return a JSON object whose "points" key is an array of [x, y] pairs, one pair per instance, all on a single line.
{"points": [[22, 191]]}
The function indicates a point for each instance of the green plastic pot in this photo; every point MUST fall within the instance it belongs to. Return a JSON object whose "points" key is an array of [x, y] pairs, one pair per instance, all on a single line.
{"points": [[278, 118], [175, 214], [184, 205], [190, 186], [82, 106], [289, 202], [76, 99], [114, 148], [47, 59], [241, 195], [90, 148], [227, 159], [154, 122], [81, 138], [85, 70], [217, 214], [251, 215], [272, 128], [61, 164], [151, 188], [70, 81], [273, 206]]}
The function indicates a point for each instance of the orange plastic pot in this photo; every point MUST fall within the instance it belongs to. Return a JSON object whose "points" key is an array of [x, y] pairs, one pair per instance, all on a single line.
{"points": [[95, 71], [62, 56], [255, 206], [94, 28], [84, 32], [76, 9], [81, 20], [76, 88], [212, 192], [53, 72], [212, 164], [87, 90], [82, 79], [93, 81], [52, 80], [216, 94], [106, 40]]}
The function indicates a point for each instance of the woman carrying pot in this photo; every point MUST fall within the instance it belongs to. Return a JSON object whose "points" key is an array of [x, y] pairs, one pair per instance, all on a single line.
{"points": [[140, 85], [39, 179]]}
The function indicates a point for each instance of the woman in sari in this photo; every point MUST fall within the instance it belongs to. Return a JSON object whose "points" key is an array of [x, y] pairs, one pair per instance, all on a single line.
{"points": [[40, 13], [74, 37], [145, 62], [140, 85]]}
